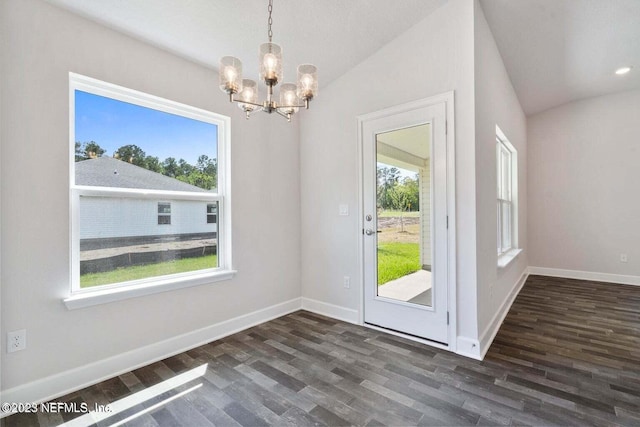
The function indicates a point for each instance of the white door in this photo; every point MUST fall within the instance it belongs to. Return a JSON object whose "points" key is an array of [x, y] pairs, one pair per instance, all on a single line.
{"points": [[405, 230]]}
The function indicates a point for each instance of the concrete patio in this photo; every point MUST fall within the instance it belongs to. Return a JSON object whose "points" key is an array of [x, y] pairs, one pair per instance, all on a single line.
{"points": [[414, 288]]}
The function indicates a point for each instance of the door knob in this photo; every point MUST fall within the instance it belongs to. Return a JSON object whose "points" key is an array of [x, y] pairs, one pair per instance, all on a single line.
{"points": [[369, 232]]}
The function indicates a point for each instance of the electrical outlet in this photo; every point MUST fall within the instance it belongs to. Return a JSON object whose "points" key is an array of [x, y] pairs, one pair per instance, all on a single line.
{"points": [[346, 282], [16, 340], [624, 258]]}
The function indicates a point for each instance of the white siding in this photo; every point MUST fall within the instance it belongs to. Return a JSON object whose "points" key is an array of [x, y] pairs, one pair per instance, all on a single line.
{"points": [[104, 217], [425, 214]]}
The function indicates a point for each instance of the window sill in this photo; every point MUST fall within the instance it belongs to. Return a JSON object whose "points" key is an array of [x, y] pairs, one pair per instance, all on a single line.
{"points": [[88, 299], [506, 258]]}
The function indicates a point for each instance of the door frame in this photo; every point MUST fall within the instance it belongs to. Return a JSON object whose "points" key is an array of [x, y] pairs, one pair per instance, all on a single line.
{"points": [[448, 99]]}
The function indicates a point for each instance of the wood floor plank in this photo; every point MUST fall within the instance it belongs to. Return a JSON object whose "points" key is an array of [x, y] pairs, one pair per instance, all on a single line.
{"points": [[567, 354]]}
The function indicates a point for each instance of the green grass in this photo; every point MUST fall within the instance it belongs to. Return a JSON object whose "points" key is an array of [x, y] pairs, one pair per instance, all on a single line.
{"points": [[396, 260], [390, 214], [151, 270]]}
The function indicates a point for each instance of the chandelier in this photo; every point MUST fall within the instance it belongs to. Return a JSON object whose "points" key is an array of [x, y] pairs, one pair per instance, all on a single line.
{"points": [[245, 91]]}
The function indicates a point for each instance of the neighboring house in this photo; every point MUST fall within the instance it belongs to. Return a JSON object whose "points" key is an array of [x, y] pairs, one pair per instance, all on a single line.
{"points": [[102, 218]]}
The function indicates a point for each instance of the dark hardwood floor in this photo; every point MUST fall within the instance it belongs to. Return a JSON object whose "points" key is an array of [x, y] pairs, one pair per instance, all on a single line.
{"points": [[567, 354]]}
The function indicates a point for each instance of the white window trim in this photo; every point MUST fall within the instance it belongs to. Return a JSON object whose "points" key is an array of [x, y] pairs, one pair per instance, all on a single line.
{"points": [[506, 257], [79, 298]]}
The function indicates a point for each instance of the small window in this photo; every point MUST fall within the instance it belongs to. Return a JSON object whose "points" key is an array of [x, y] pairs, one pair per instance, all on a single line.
{"points": [[212, 213], [507, 184], [143, 169], [164, 213]]}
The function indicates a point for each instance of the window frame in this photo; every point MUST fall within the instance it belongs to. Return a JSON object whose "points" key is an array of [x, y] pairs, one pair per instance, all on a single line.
{"points": [[83, 297], [507, 196], [213, 215], [164, 214]]}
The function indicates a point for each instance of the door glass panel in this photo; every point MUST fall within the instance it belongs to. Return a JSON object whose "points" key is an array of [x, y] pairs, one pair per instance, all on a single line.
{"points": [[403, 201]]}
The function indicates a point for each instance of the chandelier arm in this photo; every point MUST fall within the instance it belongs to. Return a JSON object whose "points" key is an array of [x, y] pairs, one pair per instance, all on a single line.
{"points": [[239, 101], [286, 116], [291, 106], [249, 113]]}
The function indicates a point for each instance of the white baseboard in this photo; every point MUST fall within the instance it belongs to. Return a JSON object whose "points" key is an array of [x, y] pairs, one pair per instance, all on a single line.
{"points": [[63, 383], [487, 337], [468, 347], [334, 311], [586, 275]]}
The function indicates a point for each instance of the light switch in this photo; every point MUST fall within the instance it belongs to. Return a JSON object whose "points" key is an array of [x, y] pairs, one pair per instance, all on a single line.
{"points": [[343, 210]]}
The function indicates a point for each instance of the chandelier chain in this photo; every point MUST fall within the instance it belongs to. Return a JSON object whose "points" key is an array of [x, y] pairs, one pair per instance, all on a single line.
{"points": [[270, 21]]}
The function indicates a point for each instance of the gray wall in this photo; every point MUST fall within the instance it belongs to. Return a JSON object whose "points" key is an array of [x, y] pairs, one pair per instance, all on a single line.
{"points": [[584, 203], [433, 57], [496, 104], [40, 45]]}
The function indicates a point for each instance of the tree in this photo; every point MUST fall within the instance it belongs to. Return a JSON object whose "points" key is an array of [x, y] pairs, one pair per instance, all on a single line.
{"points": [[401, 199], [131, 154], [88, 150], [412, 187], [170, 167], [208, 167], [153, 164], [387, 181], [204, 174], [79, 156], [198, 179], [184, 168]]}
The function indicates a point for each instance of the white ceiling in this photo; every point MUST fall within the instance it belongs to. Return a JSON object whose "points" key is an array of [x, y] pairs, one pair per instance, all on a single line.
{"points": [[415, 140], [334, 35], [558, 51], [555, 51]]}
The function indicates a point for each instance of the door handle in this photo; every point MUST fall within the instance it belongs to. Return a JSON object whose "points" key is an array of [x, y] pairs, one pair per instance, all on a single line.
{"points": [[370, 232]]}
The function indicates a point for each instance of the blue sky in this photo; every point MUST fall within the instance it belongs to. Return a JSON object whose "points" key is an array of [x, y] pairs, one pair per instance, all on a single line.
{"points": [[113, 123]]}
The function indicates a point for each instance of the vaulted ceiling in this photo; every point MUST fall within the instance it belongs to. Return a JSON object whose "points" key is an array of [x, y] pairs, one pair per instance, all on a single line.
{"points": [[555, 51], [334, 35]]}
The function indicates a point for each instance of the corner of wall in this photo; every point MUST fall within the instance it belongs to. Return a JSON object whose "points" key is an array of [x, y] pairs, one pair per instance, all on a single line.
{"points": [[469, 347], [61, 383]]}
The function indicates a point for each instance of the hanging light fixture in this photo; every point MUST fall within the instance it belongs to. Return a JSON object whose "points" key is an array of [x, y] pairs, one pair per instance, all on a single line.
{"points": [[293, 96]]}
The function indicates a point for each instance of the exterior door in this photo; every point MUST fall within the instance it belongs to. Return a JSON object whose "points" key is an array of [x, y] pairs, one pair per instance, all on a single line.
{"points": [[405, 230]]}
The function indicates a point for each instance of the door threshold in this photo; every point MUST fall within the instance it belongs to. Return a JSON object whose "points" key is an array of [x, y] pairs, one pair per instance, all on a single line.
{"points": [[411, 337]]}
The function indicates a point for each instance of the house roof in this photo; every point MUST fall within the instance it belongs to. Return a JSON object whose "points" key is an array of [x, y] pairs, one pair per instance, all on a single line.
{"points": [[110, 172]]}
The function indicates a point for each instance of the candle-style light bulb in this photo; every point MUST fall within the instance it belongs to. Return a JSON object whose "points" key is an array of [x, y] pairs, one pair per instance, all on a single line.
{"points": [[307, 82], [247, 94], [230, 75], [270, 62]]}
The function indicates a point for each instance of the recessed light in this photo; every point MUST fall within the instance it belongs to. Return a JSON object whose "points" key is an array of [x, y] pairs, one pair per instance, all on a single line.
{"points": [[623, 70]]}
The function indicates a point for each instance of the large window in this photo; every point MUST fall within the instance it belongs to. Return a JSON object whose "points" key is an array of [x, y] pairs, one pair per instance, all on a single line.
{"points": [[507, 193], [143, 171]]}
